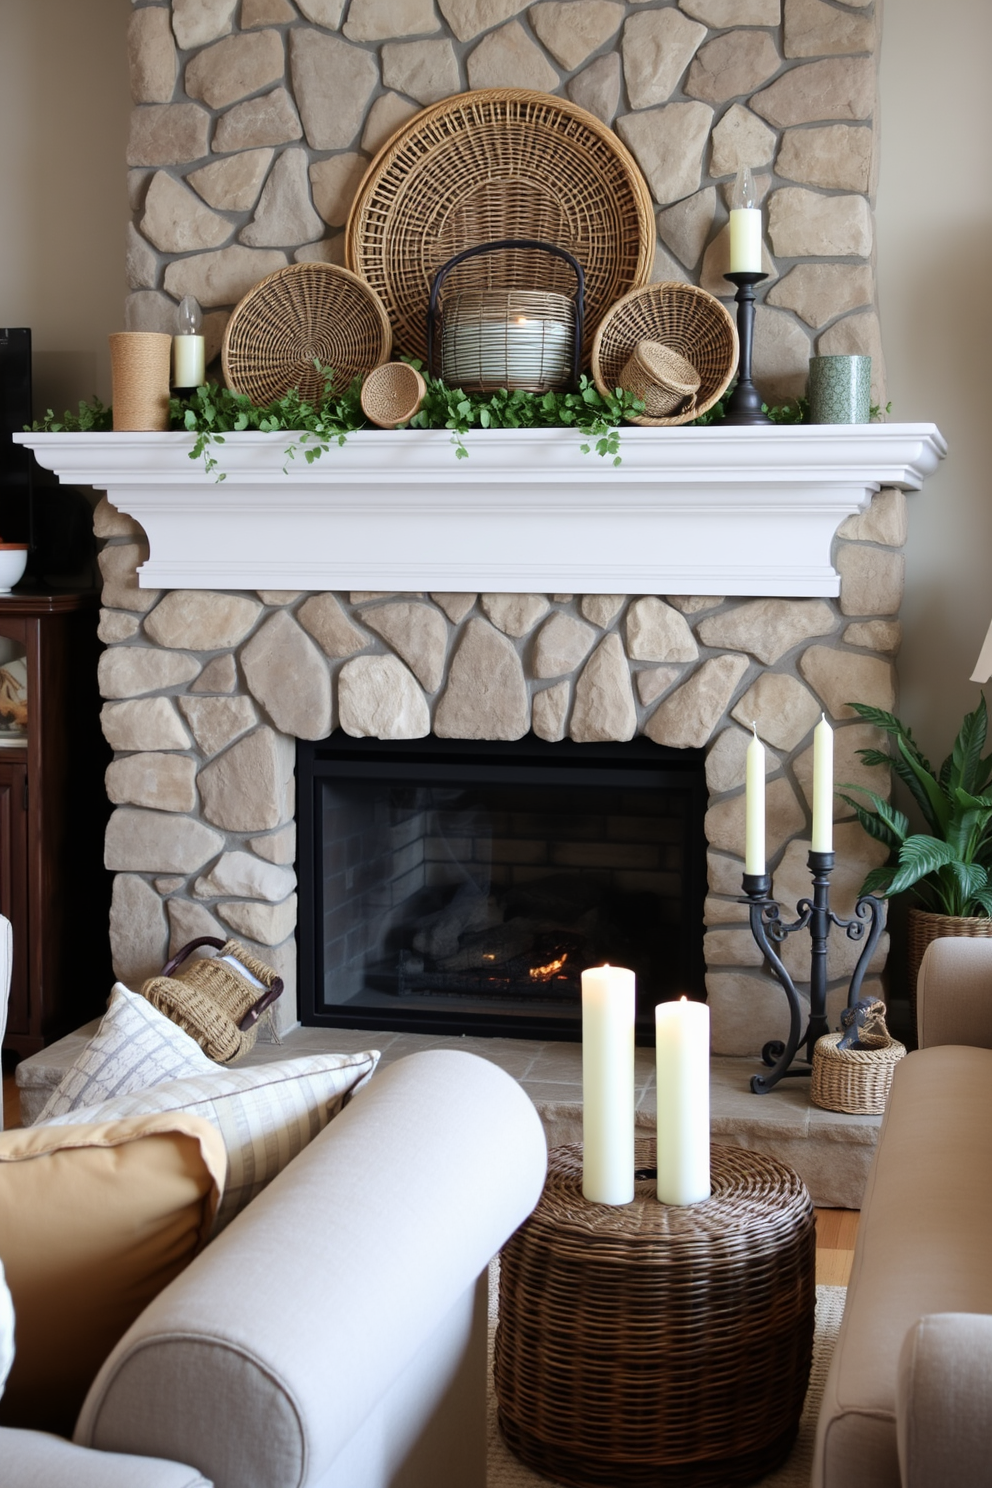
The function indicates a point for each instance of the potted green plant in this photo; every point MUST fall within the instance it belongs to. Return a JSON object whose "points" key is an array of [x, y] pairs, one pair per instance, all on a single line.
{"points": [[949, 867]]}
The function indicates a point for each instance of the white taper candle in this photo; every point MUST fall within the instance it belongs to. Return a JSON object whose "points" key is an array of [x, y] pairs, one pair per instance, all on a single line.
{"points": [[823, 787], [754, 806]]}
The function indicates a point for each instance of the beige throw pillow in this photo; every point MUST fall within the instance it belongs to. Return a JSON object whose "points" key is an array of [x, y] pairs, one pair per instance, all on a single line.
{"points": [[266, 1113], [95, 1219]]}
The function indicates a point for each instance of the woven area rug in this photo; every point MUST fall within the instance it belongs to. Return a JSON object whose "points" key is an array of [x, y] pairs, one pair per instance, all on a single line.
{"points": [[505, 1471]]}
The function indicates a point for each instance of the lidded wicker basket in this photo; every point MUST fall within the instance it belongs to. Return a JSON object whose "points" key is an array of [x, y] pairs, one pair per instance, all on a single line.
{"points": [[855, 1081], [686, 319], [665, 381], [298, 320]]}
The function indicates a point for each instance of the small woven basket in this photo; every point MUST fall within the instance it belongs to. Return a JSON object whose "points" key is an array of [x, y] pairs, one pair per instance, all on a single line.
{"points": [[392, 394], [924, 927], [665, 381], [140, 363], [855, 1081], [211, 1000]]}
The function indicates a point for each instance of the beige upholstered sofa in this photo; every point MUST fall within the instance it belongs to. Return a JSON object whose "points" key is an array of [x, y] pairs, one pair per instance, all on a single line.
{"points": [[908, 1400], [334, 1335]]}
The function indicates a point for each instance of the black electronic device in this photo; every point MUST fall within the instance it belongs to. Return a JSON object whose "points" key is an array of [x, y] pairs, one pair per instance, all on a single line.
{"points": [[16, 462]]}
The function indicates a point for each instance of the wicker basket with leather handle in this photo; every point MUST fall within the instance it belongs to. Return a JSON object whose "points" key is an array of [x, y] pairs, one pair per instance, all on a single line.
{"points": [[217, 1000], [855, 1081]]}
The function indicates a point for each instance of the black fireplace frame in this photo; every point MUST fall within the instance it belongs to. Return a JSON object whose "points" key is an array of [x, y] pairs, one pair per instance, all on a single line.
{"points": [[638, 762]]}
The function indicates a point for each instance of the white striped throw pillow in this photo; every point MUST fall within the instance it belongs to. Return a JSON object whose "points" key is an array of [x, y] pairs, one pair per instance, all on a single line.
{"points": [[266, 1113]]}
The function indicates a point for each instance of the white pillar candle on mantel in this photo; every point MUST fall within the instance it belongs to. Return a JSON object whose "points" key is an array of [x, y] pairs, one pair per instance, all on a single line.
{"points": [[189, 347], [754, 806], [608, 1010], [823, 787], [507, 352], [745, 225], [682, 1051]]}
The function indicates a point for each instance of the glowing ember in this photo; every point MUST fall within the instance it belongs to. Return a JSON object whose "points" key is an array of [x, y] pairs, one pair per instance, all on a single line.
{"points": [[545, 973]]}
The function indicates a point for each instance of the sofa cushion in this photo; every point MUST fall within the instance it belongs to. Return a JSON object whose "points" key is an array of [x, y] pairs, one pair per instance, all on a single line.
{"points": [[266, 1113], [135, 1046], [95, 1219], [922, 1247]]}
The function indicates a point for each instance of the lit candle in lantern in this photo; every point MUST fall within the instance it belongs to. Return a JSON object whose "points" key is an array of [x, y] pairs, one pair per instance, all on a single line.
{"points": [[516, 353], [823, 787], [608, 1007], [745, 225], [682, 1051], [754, 806], [188, 348]]}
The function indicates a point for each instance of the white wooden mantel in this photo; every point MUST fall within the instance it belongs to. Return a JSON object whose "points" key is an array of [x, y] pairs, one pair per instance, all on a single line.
{"points": [[749, 511]]}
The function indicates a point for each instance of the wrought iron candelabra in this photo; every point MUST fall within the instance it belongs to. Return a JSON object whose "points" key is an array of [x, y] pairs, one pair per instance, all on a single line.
{"points": [[770, 932], [744, 403]]}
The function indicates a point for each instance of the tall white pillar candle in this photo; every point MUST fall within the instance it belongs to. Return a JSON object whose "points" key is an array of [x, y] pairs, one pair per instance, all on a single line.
{"points": [[823, 787], [682, 1034], [754, 807], [608, 1009]]}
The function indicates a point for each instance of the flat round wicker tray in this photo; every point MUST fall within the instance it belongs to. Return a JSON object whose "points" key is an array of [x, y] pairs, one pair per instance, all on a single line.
{"points": [[492, 164], [306, 313], [689, 320], [650, 1345]]}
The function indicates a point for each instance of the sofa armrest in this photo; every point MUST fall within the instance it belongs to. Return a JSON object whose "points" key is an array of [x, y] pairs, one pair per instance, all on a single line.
{"points": [[954, 992], [944, 1401], [34, 1459], [265, 1357]]}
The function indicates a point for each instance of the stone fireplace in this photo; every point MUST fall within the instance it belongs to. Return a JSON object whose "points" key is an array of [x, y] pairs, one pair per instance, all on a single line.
{"points": [[208, 688]]}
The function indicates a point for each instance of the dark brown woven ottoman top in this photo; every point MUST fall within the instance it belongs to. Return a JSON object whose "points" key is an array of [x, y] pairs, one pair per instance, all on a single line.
{"points": [[648, 1344]]}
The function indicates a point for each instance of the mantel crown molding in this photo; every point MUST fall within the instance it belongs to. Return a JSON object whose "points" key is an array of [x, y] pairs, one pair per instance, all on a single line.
{"points": [[737, 511]]}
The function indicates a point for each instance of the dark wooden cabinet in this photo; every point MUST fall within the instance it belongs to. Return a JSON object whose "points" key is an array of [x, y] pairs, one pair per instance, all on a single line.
{"points": [[53, 812]]}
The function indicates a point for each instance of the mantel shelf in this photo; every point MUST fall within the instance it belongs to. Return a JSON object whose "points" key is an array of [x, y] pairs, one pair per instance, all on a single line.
{"points": [[734, 511]]}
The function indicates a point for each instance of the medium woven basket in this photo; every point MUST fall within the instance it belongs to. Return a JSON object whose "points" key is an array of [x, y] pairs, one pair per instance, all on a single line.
{"points": [[856, 1081], [665, 381], [492, 164], [299, 316], [650, 1345], [689, 320], [392, 394], [211, 1001], [922, 929]]}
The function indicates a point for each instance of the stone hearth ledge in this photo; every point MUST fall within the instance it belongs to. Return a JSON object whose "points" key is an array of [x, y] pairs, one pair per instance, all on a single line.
{"points": [[831, 1152], [689, 511]]}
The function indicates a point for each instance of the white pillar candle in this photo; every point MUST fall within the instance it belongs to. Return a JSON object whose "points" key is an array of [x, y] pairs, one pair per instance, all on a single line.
{"points": [[682, 1033], [188, 361], [823, 787], [745, 225], [506, 352], [608, 1009], [754, 806]]}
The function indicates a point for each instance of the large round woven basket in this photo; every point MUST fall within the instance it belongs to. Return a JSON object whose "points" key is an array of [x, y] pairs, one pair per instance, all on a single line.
{"points": [[855, 1081], [493, 164], [922, 929], [689, 320], [298, 317]]}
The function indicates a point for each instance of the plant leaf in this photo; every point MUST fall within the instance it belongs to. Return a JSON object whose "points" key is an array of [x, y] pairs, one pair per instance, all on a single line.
{"points": [[918, 856], [885, 823], [966, 756]]}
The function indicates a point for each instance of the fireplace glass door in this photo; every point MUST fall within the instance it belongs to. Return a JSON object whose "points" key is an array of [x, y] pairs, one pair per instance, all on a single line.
{"points": [[449, 886]]}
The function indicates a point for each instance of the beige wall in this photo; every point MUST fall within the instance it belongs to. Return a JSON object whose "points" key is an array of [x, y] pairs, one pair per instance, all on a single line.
{"points": [[63, 120], [934, 220], [64, 106]]}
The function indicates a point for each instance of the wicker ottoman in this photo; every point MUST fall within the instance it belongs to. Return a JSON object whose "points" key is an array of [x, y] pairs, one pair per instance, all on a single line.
{"points": [[654, 1345]]}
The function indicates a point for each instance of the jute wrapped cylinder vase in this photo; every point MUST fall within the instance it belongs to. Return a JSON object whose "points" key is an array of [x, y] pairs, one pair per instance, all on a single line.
{"points": [[140, 362]]}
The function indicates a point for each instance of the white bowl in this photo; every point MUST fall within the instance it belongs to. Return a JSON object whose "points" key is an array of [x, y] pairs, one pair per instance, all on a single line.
{"points": [[13, 562]]}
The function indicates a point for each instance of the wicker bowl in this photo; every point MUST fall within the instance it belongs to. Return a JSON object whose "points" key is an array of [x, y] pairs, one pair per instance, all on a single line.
{"points": [[688, 321], [299, 316], [392, 393]]}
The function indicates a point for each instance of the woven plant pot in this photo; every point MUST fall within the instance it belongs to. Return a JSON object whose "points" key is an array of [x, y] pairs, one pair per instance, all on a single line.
{"points": [[924, 926], [855, 1081]]}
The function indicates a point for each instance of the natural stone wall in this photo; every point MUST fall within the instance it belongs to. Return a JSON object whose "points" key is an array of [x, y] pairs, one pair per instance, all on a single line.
{"points": [[253, 124], [206, 693]]}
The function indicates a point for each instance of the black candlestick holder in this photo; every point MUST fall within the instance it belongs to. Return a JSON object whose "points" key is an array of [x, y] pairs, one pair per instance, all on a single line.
{"points": [[744, 403], [769, 932]]}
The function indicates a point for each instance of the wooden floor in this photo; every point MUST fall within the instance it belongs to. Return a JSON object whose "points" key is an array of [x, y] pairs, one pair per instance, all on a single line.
{"points": [[836, 1229]]}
